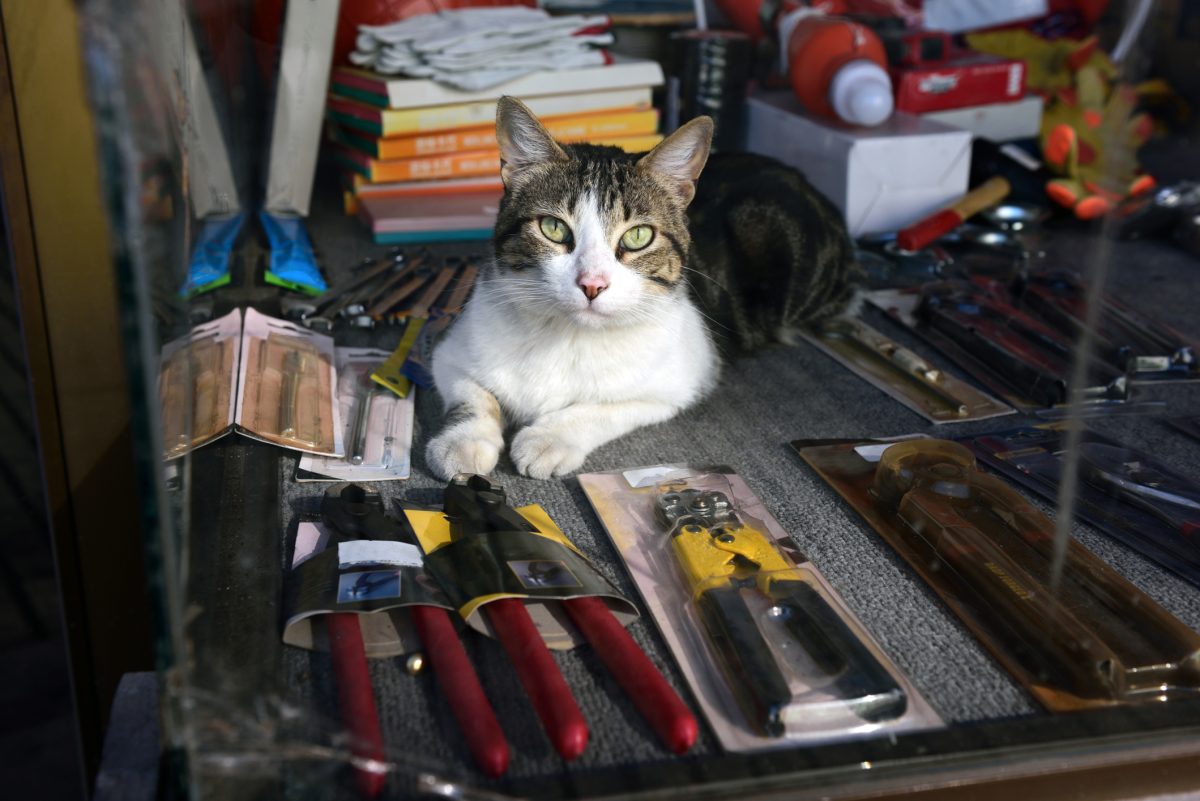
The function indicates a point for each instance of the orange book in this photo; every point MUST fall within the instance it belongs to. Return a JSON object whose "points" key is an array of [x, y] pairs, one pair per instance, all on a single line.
{"points": [[575, 128], [459, 165]]}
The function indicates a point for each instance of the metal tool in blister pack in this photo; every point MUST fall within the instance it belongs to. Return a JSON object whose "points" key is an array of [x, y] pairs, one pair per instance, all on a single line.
{"points": [[1142, 347], [1025, 355], [478, 507], [722, 557], [904, 374], [1144, 483]]}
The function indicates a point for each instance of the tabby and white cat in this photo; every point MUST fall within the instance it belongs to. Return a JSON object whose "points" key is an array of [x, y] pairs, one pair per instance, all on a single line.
{"points": [[584, 327]]}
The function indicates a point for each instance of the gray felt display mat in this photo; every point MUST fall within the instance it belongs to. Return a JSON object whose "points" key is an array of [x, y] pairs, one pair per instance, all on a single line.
{"points": [[762, 403]]}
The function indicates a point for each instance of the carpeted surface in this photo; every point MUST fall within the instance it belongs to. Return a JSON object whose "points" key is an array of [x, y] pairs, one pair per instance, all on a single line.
{"points": [[761, 403]]}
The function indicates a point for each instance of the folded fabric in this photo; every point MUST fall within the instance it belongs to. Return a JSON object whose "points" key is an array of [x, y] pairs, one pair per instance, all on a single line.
{"points": [[476, 48]]}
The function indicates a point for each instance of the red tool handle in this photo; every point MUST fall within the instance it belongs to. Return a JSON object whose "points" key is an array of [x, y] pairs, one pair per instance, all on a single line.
{"points": [[920, 234], [539, 674], [461, 686], [357, 700], [633, 670]]}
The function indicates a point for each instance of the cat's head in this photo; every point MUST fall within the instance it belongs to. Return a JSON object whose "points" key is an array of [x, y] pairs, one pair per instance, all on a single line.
{"points": [[589, 233]]}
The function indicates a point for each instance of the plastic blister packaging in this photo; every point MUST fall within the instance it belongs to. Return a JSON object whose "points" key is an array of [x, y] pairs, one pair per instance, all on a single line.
{"points": [[286, 386], [1087, 638], [196, 382], [768, 648], [378, 425]]}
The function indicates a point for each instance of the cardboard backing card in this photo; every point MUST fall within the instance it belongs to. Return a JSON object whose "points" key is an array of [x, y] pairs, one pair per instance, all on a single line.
{"points": [[736, 630]]}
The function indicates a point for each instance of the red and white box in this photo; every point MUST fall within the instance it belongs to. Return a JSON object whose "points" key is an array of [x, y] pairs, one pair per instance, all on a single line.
{"points": [[973, 80]]}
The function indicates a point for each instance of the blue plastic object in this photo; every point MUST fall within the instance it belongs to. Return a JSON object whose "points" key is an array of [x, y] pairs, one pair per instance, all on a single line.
{"points": [[293, 264], [209, 265]]}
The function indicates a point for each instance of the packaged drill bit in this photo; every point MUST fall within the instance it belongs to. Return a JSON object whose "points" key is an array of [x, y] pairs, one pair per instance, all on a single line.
{"points": [[768, 648], [378, 425], [1126, 494], [1088, 639], [286, 384], [196, 384], [901, 373]]}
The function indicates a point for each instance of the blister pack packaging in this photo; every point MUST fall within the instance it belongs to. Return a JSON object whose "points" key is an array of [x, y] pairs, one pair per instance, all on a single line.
{"points": [[286, 386], [1090, 639], [197, 384], [378, 425], [1126, 494], [931, 392], [768, 648]]}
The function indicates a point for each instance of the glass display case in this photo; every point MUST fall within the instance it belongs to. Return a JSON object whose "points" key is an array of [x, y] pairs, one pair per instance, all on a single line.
{"points": [[1035, 601]]}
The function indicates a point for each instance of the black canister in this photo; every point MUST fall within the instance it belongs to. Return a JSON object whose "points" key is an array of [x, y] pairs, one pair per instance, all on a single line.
{"points": [[712, 68]]}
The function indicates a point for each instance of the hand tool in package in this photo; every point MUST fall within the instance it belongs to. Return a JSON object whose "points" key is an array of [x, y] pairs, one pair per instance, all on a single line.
{"points": [[766, 645], [1145, 349], [1128, 495], [196, 384], [512, 574], [1088, 638], [1020, 358], [931, 392], [358, 572], [286, 386], [378, 425]]}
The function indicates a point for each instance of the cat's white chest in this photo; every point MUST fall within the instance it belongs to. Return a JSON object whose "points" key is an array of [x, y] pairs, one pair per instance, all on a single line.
{"points": [[536, 369]]}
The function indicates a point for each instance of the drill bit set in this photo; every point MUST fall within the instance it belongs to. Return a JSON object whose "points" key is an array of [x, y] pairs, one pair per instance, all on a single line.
{"points": [[768, 648]]}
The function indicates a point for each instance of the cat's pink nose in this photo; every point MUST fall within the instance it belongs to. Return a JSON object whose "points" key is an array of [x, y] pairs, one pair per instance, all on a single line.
{"points": [[592, 285]]}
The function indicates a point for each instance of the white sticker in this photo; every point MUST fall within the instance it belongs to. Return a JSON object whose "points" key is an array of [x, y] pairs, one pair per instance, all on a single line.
{"points": [[873, 453], [378, 552], [1014, 78], [649, 476]]}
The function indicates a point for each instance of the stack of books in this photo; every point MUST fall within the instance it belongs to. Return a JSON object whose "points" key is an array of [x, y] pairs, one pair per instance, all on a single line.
{"points": [[421, 159]]}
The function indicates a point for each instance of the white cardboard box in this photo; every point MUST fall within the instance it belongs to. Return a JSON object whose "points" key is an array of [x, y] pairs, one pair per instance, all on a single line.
{"points": [[882, 178], [1000, 122]]}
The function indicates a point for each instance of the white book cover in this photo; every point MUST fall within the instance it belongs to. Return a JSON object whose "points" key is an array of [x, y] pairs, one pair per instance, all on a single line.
{"points": [[403, 93]]}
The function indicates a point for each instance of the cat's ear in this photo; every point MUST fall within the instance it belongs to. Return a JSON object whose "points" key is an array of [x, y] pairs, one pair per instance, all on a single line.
{"points": [[681, 156], [523, 141]]}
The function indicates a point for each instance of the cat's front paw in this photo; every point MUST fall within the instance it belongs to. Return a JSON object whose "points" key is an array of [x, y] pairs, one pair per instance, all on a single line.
{"points": [[462, 449], [543, 453]]}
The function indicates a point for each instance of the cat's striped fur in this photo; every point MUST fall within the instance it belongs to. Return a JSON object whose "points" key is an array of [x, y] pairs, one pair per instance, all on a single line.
{"points": [[578, 333]]}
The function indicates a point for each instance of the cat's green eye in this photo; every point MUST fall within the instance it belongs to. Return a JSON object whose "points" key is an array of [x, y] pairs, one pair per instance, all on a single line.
{"points": [[637, 237], [554, 229]]}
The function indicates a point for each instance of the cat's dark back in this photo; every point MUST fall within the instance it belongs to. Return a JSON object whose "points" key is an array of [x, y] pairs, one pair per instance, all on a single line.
{"points": [[770, 254]]}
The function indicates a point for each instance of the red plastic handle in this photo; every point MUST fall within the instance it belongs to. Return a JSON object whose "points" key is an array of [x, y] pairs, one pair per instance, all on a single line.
{"points": [[539, 674], [462, 689], [357, 700], [637, 675], [927, 230]]}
